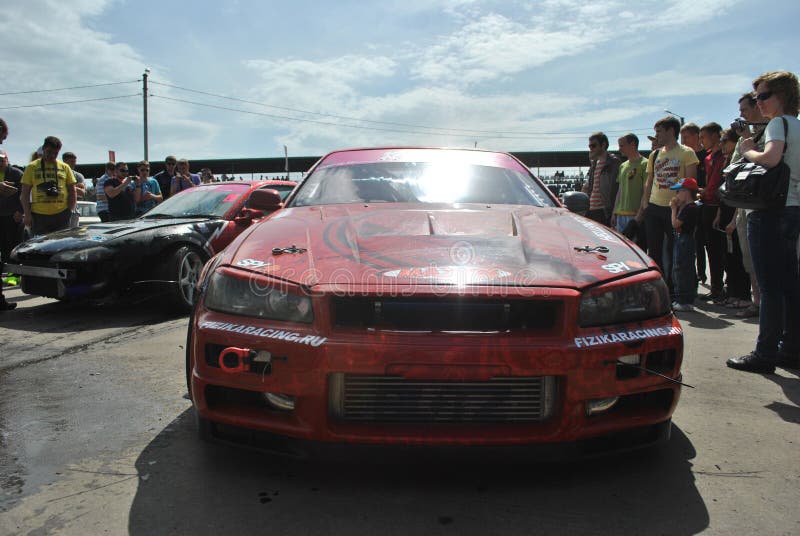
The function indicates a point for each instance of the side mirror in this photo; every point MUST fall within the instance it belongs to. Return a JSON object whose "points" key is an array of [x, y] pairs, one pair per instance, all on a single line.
{"points": [[247, 215], [265, 199], [577, 202]]}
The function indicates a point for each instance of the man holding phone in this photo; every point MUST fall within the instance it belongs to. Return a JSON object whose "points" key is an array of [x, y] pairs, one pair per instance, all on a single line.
{"points": [[183, 178], [118, 189]]}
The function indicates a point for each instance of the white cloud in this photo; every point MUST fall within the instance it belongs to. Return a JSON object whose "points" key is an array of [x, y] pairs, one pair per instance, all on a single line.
{"points": [[495, 46], [675, 84], [49, 44]]}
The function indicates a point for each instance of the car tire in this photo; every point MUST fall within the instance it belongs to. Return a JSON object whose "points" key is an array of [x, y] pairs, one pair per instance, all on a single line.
{"points": [[183, 267]]}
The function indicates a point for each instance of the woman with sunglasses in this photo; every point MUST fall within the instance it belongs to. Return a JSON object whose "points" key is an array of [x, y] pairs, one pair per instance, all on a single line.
{"points": [[772, 235]]}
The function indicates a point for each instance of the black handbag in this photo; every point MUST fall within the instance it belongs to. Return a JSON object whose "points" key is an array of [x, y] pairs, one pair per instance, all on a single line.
{"points": [[752, 186]]}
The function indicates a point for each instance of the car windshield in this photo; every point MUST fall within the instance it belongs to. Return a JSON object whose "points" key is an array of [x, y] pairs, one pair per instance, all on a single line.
{"points": [[212, 201], [420, 182]]}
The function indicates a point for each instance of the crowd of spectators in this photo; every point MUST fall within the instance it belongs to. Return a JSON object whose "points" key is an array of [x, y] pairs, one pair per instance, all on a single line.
{"points": [[670, 203]]}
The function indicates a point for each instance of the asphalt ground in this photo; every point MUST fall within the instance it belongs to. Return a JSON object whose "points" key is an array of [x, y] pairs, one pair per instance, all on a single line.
{"points": [[96, 437]]}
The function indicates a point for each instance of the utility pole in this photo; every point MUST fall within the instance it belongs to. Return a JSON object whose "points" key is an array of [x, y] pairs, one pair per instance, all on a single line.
{"points": [[286, 159], [144, 99]]}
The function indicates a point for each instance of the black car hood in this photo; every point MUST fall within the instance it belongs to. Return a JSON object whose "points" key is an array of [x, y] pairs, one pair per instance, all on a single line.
{"points": [[105, 234]]}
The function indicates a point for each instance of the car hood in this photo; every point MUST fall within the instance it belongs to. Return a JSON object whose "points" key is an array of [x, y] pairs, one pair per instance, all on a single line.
{"points": [[97, 234], [358, 245]]}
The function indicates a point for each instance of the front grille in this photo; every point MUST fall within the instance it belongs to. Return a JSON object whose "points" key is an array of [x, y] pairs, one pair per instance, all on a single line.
{"points": [[444, 314], [393, 399], [40, 286]]}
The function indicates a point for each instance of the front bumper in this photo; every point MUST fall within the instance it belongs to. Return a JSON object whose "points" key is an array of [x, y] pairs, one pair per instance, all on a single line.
{"points": [[582, 365], [62, 282]]}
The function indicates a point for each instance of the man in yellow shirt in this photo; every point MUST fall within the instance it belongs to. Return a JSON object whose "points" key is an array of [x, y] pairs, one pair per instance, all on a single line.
{"points": [[48, 191], [672, 163]]}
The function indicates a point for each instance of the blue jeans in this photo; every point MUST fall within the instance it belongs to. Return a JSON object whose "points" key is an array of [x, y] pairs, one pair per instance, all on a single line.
{"points": [[622, 221], [684, 274], [773, 245]]}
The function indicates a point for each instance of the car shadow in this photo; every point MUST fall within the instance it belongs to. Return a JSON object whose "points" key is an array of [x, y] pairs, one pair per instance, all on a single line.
{"points": [[188, 486], [44, 315]]}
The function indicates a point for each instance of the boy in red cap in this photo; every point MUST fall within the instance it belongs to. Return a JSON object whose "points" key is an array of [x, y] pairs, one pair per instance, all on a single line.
{"points": [[684, 222]]}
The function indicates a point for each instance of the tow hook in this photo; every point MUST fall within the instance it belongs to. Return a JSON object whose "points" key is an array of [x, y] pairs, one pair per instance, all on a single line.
{"points": [[242, 357], [233, 360]]}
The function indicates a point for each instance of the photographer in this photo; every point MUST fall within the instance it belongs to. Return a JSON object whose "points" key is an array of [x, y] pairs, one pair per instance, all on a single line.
{"points": [[183, 178], [48, 191]]}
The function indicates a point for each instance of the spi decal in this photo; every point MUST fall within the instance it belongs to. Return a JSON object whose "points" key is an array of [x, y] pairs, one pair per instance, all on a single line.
{"points": [[616, 267]]}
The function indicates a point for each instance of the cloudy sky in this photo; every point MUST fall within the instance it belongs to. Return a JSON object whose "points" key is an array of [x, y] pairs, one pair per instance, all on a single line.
{"points": [[244, 78]]}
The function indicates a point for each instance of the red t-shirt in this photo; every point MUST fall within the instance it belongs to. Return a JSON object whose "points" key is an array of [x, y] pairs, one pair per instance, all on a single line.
{"points": [[714, 164]]}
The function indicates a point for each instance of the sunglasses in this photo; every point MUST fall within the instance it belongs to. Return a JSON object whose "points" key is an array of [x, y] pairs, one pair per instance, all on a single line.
{"points": [[592, 145], [763, 96]]}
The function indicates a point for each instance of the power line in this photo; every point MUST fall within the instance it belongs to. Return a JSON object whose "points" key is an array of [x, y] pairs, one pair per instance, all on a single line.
{"points": [[274, 116], [67, 88], [451, 131], [69, 102], [296, 110], [489, 135], [326, 123]]}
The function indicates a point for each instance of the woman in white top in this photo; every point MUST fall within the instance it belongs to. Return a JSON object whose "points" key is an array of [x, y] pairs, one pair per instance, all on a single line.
{"points": [[772, 235]]}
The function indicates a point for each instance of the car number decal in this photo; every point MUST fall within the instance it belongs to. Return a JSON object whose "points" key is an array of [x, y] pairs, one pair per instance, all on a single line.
{"points": [[597, 230], [252, 263]]}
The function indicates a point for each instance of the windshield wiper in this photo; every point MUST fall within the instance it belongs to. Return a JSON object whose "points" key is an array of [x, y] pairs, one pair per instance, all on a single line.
{"points": [[198, 216], [158, 216]]}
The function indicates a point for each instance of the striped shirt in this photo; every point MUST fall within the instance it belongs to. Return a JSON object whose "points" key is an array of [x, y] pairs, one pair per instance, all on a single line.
{"points": [[595, 198]]}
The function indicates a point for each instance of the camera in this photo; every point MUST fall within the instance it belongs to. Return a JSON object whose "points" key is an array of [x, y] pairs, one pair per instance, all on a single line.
{"points": [[739, 124], [50, 188]]}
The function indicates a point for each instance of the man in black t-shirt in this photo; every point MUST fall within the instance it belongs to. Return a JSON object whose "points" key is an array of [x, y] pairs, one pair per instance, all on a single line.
{"points": [[118, 189], [164, 178]]}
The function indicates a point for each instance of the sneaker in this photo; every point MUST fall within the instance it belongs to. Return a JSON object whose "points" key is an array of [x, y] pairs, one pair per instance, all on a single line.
{"points": [[750, 312], [682, 307], [715, 296], [6, 306], [751, 362]]}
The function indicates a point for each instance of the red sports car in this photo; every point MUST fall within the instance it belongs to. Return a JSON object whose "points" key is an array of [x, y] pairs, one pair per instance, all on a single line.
{"points": [[419, 296]]}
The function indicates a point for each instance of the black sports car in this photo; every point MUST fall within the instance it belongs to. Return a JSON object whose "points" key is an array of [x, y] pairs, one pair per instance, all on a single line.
{"points": [[165, 249]]}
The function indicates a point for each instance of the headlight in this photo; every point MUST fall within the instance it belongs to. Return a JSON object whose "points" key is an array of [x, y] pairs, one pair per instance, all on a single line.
{"points": [[639, 301], [95, 254], [254, 296]]}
